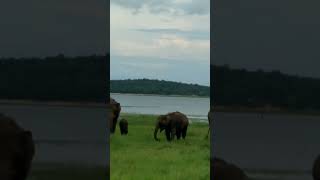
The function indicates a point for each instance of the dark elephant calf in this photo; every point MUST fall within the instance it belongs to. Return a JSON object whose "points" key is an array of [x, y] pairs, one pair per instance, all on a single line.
{"points": [[123, 124], [16, 151]]}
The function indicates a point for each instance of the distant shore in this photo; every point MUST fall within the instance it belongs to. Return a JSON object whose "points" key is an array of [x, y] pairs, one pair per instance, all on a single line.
{"points": [[162, 95]]}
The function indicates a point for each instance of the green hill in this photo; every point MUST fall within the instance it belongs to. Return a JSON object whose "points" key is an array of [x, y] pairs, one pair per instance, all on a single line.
{"points": [[161, 87]]}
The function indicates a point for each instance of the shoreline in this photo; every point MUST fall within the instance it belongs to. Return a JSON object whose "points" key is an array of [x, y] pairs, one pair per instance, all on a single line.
{"points": [[162, 95], [197, 120]]}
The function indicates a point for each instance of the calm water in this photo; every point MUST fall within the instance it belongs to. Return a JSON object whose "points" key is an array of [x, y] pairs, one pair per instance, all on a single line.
{"points": [[193, 107]]}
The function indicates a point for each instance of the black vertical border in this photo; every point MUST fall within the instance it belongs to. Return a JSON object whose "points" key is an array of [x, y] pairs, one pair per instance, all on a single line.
{"points": [[108, 89], [212, 85]]}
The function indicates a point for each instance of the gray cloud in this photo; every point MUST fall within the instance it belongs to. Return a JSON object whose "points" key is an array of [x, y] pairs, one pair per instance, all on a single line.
{"points": [[198, 7]]}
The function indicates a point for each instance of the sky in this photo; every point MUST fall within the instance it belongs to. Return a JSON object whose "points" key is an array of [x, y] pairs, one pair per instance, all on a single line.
{"points": [[44, 28], [270, 35], [167, 39]]}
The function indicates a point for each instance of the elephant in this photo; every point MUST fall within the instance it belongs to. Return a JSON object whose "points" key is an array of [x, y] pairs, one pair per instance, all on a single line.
{"points": [[123, 124], [115, 109], [223, 170], [174, 124], [17, 150], [316, 169]]}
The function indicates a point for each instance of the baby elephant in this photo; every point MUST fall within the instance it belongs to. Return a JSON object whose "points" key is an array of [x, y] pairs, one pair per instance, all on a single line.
{"points": [[123, 124]]}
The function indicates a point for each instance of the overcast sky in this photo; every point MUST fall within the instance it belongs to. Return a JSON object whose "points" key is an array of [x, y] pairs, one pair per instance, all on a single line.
{"points": [[272, 35], [46, 28], [167, 39]]}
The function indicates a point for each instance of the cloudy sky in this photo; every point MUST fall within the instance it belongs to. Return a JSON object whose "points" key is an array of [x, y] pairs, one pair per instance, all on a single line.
{"points": [[167, 39], [46, 28], [271, 35]]}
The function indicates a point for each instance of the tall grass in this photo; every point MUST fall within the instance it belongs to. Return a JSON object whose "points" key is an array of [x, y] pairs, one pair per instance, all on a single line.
{"points": [[138, 156]]}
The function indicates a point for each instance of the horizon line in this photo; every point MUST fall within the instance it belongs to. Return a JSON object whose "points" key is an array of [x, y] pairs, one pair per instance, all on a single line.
{"points": [[189, 83]]}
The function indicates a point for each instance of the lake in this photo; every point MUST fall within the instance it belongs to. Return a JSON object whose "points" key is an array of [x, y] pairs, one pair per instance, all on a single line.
{"points": [[193, 107]]}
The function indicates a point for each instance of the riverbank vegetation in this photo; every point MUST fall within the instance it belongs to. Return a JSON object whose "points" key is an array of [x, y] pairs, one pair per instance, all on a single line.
{"points": [[159, 87]]}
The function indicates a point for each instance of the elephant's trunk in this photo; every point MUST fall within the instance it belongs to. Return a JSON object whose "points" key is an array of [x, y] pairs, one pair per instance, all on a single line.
{"points": [[156, 132]]}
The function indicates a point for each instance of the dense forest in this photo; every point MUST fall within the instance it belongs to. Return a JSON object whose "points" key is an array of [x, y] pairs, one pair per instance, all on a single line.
{"points": [[239, 87], [55, 78], [161, 87]]}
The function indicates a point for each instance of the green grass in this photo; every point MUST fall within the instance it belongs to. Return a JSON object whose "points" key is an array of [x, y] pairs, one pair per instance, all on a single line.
{"points": [[138, 156]]}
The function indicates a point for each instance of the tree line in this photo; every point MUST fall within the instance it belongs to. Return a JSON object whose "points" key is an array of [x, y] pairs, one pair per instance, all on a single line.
{"points": [[55, 78], [161, 87]]}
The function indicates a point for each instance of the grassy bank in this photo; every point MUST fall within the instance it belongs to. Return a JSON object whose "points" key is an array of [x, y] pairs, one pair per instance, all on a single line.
{"points": [[139, 156]]}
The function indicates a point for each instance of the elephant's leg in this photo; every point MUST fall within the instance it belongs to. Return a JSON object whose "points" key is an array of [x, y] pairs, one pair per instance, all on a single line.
{"points": [[173, 133], [178, 133], [168, 133], [184, 132]]}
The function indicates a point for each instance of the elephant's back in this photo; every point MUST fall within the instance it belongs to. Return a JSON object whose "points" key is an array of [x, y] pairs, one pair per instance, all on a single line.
{"points": [[180, 118]]}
